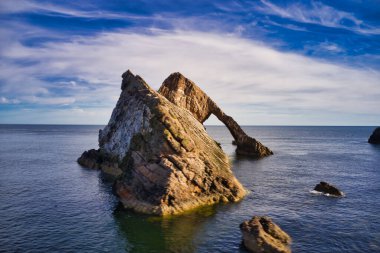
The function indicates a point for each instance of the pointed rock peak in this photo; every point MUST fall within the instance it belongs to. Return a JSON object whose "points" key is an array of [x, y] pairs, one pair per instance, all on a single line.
{"points": [[127, 76], [177, 80], [133, 82], [176, 75], [174, 78]]}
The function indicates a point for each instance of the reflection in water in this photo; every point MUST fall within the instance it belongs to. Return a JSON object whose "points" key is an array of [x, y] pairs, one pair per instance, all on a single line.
{"points": [[156, 234]]}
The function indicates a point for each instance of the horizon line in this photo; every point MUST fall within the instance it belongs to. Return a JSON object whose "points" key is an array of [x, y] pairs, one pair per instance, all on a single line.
{"points": [[54, 124]]}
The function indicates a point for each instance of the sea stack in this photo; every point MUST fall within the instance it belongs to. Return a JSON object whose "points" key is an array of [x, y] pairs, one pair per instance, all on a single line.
{"points": [[168, 162], [261, 234], [186, 94], [375, 137]]}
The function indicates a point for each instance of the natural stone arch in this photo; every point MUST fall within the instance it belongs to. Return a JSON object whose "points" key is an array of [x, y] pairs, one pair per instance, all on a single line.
{"points": [[186, 94]]}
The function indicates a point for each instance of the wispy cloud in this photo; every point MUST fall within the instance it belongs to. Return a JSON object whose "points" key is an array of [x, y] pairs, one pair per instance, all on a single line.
{"points": [[325, 46], [234, 71], [30, 6], [318, 14]]}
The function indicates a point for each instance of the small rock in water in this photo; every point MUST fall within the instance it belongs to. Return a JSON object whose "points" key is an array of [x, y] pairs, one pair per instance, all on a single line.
{"points": [[328, 189], [261, 234], [375, 137]]}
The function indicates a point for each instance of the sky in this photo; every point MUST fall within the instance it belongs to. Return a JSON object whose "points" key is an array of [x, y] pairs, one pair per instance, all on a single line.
{"points": [[263, 62]]}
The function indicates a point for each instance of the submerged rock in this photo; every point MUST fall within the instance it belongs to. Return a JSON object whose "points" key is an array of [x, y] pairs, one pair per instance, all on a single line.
{"points": [[168, 161], [375, 137], [186, 94], [327, 189], [261, 234]]}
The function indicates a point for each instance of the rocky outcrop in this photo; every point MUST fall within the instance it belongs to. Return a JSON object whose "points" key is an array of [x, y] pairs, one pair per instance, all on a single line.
{"points": [[168, 161], [375, 137], [261, 234], [328, 189], [186, 94], [95, 159]]}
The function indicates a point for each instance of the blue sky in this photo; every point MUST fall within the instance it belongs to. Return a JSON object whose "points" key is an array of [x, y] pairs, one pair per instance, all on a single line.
{"points": [[264, 62]]}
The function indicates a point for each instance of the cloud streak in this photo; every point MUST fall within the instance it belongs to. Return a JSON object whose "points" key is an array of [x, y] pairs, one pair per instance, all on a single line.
{"points": [[318, 14]]}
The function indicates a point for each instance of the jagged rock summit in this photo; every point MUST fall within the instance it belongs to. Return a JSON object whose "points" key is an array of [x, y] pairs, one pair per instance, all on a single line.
{"points": [[186, 94], [165, 161]]}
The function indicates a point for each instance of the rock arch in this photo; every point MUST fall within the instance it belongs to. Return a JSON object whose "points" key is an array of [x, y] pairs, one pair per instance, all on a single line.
{"points": [[186, 94]]}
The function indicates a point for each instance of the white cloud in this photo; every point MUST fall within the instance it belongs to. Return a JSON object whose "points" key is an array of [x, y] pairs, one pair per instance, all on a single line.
{"points": [[319, 14], [4, 100], [251, 81]]}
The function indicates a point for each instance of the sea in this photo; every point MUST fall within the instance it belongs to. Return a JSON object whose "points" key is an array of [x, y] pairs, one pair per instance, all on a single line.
{"points": [[48, 203]]}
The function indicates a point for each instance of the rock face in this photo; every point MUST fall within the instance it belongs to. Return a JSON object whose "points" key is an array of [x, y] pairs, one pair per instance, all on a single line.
{"points": [[375, 137], [260, 234], [169, 163], [328, 189], [186, 94]]}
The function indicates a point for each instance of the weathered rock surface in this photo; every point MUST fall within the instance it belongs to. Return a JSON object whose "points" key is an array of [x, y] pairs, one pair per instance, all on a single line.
{"points": [[168, 161], [186, 94], [375, 137], [261, 234], [328, 189]]}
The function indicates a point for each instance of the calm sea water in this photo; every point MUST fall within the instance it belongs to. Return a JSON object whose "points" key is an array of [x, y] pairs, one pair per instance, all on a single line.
{"points": [[48, 203]]}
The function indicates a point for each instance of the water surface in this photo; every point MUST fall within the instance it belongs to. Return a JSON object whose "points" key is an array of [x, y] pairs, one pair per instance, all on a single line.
{"points": [[48, 203]]}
